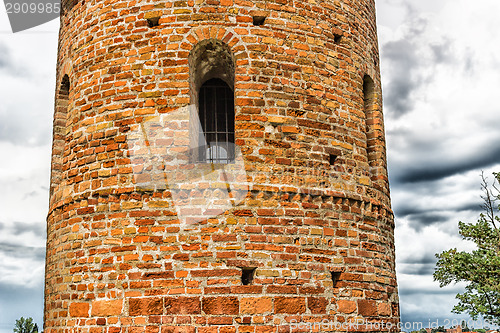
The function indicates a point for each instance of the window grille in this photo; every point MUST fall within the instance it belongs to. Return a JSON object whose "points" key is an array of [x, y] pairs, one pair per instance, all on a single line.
{"points": [[216, 112]]}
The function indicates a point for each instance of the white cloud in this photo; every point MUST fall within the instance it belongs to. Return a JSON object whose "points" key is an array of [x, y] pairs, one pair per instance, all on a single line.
{"points": [[24, 179], [22, 266]]}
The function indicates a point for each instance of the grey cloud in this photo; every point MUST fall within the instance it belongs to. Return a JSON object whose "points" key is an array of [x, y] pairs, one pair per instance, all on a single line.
{"points": [[418, 263], [20, 228], [475, 206], [409, 209], [420, 217], [405, 63], [8, 64], [426, 158], [417, 269], [20, 251], [420, 258], [5, 60], [419, 221], [442, 52], [401, 57], [441, 168], [25, 128], [431, 290]]}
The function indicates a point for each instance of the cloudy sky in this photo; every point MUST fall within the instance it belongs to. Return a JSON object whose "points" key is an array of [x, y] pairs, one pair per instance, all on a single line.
{"points": [[441, 76]]}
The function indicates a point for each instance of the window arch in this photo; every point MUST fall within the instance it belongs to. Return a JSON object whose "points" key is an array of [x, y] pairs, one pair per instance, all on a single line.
{"points": [[212, 72]]}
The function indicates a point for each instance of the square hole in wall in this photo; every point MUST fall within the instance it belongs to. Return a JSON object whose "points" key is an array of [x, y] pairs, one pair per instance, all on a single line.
{"points": [[247, 274], [258, 20], [335, 278], [153, 21], [332, 158]]}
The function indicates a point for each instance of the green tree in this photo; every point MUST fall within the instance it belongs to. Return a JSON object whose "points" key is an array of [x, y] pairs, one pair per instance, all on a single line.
{"points": [[480, 269], [438, 329], [25, 326]]}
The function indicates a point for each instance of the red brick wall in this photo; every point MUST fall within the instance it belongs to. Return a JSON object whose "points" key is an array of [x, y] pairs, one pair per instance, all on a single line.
{"points": [[130, 250]]}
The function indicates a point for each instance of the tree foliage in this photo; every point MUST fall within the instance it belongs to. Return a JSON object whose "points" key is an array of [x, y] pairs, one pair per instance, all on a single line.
{"points": [[438, 329], [25, 326], [480, 269]]}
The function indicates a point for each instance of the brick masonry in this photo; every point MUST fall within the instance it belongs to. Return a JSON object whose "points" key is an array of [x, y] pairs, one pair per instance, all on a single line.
{"points": [[130, 250]]}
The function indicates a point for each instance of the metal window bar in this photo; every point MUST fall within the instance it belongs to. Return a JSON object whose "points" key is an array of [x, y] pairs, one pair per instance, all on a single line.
{"points": [[216, 111]]}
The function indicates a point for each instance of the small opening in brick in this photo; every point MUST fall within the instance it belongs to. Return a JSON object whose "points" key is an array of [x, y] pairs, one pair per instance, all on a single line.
{"points": [[153, 21], [258, 20], [332, 159], [65, 85], [337, 38], [247, 274], [335, 278]]}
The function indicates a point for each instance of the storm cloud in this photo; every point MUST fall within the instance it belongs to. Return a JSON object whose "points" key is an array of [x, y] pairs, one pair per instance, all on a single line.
{"points": [[447, 164]]}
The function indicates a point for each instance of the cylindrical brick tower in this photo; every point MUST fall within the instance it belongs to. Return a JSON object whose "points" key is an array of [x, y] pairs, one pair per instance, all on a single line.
{"points": [[219, 166]]}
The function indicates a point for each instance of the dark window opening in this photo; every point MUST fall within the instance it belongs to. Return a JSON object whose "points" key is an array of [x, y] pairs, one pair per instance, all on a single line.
{"points": [[337, 38], [258, 20], [369, 107], [216, 112], [64, 85], [247, 274], [335, 278], [153, 21]]}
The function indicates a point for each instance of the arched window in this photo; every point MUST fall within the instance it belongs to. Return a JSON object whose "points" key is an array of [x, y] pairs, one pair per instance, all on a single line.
{"points": [[375, 138], [369, 108], [216, 112], [59, 130], [212, 71], [64, 85]]}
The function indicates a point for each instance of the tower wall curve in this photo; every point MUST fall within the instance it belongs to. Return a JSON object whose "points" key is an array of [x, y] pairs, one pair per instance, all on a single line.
{"points": [[146, 232]]}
